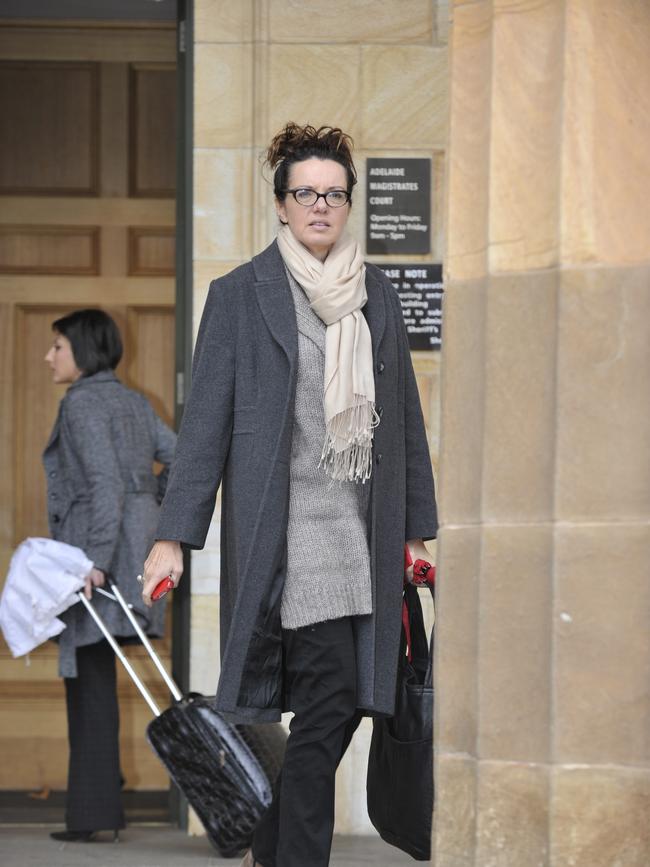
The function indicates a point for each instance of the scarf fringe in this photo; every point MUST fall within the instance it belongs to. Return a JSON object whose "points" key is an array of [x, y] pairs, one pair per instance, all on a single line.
{"points": [[347, 450], [336, 290]]}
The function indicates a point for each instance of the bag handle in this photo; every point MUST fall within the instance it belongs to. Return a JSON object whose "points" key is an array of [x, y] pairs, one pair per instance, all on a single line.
{"points": [[416, 640], [424, 575], [428, 677], [116, 596], [171, 685], [146, 695], [414, 637]]}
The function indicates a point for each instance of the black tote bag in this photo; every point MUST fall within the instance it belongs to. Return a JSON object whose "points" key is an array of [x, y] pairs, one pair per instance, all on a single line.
{"points": [[400, 764]]}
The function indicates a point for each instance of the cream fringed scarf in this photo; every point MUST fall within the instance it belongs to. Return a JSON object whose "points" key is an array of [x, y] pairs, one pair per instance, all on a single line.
{"points": [[336, 289]]}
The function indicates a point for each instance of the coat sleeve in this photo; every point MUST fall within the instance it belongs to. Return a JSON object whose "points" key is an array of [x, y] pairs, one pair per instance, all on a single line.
{"points": [[165, 442], [165, 446], [87, 426], [421, 509], [206, 428]]}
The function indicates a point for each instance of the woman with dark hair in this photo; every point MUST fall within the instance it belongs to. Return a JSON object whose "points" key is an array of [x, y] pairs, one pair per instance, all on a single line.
{"points": [[103, 497], [305, 407]]}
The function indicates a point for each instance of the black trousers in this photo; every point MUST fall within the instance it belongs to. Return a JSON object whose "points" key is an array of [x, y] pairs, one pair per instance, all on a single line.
{"points": [[93, 801], [321, 686]]}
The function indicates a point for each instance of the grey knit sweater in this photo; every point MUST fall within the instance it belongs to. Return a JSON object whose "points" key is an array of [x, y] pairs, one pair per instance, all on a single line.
{"points": [[328, 562]]}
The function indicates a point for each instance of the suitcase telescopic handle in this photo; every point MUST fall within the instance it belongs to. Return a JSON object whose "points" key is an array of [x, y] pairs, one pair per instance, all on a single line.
{"points": [[146, 695], [173, 688]]}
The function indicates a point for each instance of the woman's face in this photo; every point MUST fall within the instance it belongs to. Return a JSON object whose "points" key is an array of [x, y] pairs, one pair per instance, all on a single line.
{"points": [[61, 360], [317, 226]]}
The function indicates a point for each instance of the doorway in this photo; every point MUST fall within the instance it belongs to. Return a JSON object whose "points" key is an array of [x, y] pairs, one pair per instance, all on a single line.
{"points": [[88, 179]]}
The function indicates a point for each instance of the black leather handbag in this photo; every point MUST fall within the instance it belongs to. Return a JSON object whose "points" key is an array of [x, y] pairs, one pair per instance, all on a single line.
{"points": [[400, 765]]}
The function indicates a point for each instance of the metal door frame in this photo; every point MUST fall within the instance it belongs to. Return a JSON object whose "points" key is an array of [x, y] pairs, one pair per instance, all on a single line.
{"points": [[181, 605]]}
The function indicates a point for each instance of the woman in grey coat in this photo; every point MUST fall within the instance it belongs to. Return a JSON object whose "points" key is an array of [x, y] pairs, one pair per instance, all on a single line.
{"points": [[304, 407], [103, 497]]}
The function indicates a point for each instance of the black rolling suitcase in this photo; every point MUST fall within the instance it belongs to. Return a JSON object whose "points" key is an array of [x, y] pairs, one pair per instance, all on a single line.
{"points": [[225, 771]]}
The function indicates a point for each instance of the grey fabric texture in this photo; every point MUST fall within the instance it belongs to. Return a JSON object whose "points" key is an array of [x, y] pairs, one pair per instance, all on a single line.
{"points": [[328, 561], [103, 497], [237, 432]]}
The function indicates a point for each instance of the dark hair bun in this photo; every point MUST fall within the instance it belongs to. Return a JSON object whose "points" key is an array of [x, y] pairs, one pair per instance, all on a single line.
{"points": [[294, 141]]}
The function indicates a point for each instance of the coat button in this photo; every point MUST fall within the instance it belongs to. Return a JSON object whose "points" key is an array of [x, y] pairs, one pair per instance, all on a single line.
{"points": [[380, 411], [378, 458], [55, 519], [53, 495], [381, 367], [53, 474]]}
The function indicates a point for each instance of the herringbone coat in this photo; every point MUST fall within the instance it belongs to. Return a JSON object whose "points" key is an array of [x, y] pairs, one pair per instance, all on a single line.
{"points": [[103, 497]]}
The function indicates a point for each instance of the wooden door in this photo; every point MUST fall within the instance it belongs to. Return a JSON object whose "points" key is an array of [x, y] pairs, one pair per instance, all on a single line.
{"points": [[87, 170]]}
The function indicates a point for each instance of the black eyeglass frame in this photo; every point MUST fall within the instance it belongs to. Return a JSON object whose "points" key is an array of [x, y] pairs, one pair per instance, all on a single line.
{"points": [[348, 199]]}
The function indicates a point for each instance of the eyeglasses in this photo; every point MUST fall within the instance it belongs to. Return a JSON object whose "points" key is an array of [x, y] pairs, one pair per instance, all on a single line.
{"points": [[307, 197]]}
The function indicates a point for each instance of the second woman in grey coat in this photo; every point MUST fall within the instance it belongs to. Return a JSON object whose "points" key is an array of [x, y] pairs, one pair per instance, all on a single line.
{"points": [[304, 407], [103, 497]]}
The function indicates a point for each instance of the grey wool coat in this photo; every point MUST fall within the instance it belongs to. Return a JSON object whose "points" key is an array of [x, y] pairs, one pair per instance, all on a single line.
{"points": [[236, 431], [103, 497]]}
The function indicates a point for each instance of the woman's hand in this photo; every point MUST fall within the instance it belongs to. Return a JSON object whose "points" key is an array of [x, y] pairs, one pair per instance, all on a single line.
{"points": [[418, 552], [95, 578], [165, 558]]}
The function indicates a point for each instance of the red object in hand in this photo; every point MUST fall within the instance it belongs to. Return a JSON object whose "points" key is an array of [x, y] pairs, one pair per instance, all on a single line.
{"points": [[423, 571], [162, 588]]}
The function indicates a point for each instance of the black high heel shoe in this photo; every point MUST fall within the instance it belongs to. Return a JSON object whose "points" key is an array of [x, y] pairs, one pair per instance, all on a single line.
{"points": [[80, 836]]}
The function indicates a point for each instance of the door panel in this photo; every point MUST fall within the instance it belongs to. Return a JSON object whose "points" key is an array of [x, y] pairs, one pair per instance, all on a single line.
{"points": [[151, 359], [49, 250], [152, 165], [49, 110], [66, 222]]}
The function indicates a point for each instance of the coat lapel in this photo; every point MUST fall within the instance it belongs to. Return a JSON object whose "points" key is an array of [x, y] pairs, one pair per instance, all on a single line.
{"points": [[275, 300]]}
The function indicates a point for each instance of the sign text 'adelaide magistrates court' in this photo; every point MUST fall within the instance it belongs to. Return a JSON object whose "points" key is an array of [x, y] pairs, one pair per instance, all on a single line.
{"points": [[398, 206]]}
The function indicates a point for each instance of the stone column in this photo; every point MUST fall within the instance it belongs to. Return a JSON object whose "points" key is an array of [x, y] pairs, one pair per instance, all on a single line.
{"points": [[543, 618]]}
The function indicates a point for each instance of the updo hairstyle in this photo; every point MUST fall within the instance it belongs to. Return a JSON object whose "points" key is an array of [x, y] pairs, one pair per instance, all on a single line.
{"points": [[294, 143]]}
